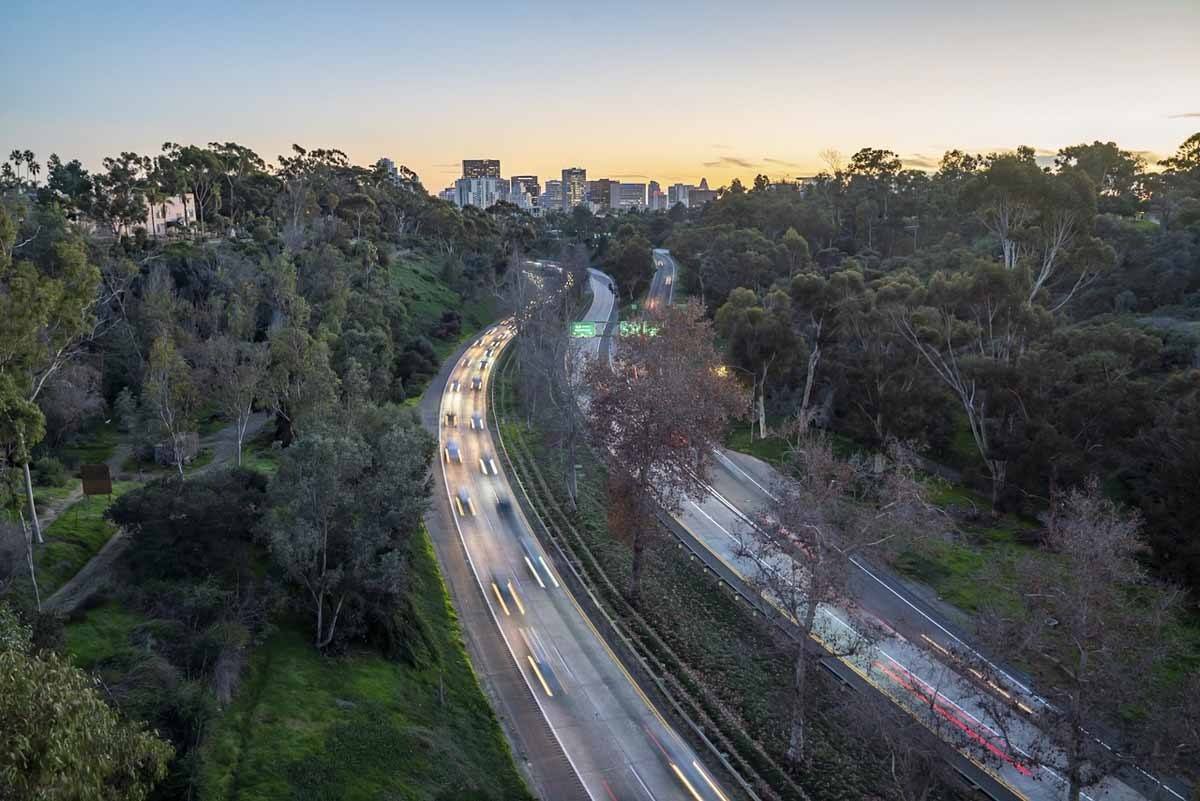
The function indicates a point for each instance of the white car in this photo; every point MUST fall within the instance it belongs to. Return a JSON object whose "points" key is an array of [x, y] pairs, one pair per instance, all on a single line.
{"points": [[455, 386], [477, 423], [488, 465], [453, 454], [463, 499]]}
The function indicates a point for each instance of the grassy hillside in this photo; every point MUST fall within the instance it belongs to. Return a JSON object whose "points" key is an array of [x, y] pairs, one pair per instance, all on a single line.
{"points": [[359, 726]]}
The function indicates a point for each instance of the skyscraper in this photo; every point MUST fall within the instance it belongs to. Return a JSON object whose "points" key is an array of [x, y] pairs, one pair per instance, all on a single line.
{"points": [[552, 197], [604, 193], [529, 182], [633, 196], [655, 199], [574, 187], [481, 168]]}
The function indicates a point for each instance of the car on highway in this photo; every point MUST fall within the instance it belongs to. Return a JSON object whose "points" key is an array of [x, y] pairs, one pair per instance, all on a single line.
{"points": [[483, 363], [504, 503], [451, 420], [476, 383], [668, 280], [488, 465], [466, 362], [463, 499], [477, 423], [453, 454], [478, 342], [455, 385], [490, 352]]}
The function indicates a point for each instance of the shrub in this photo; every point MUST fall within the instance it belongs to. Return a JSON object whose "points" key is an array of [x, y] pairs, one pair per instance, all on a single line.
{"points": [[49, 471]]}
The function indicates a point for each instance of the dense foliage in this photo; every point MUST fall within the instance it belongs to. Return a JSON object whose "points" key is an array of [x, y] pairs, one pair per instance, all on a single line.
{"points": [[201, 290], [1027, 321]]}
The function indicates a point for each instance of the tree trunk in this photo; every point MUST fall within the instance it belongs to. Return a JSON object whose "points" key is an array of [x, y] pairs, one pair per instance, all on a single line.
{"points": [[37, 526], [37, 593], [762, 405], [634, 592]]}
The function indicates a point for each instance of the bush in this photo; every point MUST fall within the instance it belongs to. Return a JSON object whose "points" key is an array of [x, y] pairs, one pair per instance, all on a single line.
{"points": [[186, 529], [50, 472]]}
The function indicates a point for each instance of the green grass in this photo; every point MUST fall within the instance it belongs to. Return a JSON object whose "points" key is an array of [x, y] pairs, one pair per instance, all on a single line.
{"points": [[360, 726], [44, 496], [772, 449], [101, 634], [74, 537], [153, 469], [93, 445]]}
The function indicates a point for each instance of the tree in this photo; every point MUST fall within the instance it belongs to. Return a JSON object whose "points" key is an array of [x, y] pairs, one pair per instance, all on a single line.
{"points": [[658, 417], [300, 384], [803, 547], [341, 515], [60, 741], [759, 339], [972, 329], [797, 250], [235, 370], [172, 398], [1085, 610], [47, 312]]}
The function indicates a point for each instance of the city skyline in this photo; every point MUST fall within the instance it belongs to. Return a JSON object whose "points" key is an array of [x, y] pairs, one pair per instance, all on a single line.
{"points": [[713, 92]]}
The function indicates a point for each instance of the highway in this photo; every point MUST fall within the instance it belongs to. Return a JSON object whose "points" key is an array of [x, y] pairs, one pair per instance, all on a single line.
{"points": [[616, 741], [917, 659]]}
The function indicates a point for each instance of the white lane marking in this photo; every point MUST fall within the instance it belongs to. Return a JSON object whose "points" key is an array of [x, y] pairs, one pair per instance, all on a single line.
{"points": [[950, 634], [714, 522], [563, 660], [649, 794], [735, 466]]}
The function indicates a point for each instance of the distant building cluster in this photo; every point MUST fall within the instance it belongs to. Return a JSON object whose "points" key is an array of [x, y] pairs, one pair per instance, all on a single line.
{"points": [[481, 185]]}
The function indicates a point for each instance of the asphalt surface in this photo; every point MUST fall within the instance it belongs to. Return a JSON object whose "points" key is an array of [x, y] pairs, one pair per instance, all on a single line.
{"points": [[920, 661], [608, 732]]}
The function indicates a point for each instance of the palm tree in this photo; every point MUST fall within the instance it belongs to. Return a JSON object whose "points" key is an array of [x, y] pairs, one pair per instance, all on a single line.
{"points": [[17, 157]]}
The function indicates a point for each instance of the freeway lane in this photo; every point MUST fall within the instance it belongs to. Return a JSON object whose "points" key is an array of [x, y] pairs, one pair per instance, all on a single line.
{"points": [[912, 662], [618, 744]]}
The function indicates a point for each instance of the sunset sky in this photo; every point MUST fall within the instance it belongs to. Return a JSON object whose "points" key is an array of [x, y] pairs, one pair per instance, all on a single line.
{"points": [[664, 90]]}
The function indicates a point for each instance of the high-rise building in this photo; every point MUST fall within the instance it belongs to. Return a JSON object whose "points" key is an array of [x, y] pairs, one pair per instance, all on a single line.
{"points": [[700, 195], [552, 196], [574, 187], [528, 182], [481, 168], [480, 192], [655, 199], [604, 194], [678, 193], [633, 196]]}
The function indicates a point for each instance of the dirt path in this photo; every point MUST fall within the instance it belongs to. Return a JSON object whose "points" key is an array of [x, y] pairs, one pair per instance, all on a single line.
{"points": [[94, 575]]}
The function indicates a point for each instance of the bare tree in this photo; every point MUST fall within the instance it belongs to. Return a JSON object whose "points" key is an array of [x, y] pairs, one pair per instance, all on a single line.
{"points": [[658, 417], [171, 397], [803, 549], [1090, 619], [235, 371]]}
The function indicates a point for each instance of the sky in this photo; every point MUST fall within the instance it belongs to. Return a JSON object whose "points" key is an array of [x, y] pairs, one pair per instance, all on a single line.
{"points": [[672, 91]]}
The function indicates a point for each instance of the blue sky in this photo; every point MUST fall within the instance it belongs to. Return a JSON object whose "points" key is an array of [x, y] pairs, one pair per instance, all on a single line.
{"points": [[668, 90]]}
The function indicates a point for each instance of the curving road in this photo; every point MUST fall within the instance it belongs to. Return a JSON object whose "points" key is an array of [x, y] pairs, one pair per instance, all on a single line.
{"points": [[615, 740], [920, 661]]}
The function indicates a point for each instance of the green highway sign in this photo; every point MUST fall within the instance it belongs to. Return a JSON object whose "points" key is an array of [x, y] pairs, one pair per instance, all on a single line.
{"points": [[583, 329], [633, 328]]}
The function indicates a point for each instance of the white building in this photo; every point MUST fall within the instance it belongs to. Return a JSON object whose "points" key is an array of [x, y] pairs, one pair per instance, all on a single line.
{"points": [[480, 192], [632, 197]]}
